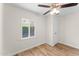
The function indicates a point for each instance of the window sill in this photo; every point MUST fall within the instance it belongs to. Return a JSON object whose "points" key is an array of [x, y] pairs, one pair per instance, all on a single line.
{"points": [[28, 38]]}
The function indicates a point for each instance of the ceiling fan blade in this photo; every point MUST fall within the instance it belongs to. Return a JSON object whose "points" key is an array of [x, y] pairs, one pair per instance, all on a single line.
{"points": [[44, 6], [69, 5], [46, 12]]}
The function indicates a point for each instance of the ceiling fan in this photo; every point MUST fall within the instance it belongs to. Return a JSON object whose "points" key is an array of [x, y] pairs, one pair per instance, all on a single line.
{"points": [[54, 7]]}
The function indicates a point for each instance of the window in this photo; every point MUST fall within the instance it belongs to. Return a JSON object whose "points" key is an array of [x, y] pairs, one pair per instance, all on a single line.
{"points": [[28, 29], [32, 29], [25, 31]]}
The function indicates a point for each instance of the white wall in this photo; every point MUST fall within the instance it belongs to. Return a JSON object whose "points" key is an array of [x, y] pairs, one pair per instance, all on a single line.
{"points": [[69, 29], [1, 21], [56, 29], [49, 25], [52, 30], [12, 35]]}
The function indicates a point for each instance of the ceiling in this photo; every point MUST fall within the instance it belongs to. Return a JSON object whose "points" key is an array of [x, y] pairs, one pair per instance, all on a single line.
{"points": [[33, 7], [40, 10]]}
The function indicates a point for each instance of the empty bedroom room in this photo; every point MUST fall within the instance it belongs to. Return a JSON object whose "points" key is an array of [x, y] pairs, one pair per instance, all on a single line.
{"points": [[39, 29]]}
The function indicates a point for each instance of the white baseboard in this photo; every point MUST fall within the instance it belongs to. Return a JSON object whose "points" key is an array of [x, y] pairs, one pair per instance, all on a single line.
{"points": [[53, 44], [69, 45], [14, 53]]}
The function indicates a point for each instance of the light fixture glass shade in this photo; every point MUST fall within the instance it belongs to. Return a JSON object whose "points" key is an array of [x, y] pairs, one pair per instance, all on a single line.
{"points": [[54, 11], [57, 11]]}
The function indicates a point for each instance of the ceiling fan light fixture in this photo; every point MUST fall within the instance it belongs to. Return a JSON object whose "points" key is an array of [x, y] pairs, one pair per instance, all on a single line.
{"points": [[51, 12], [55, 7], [54, 11], [57, 12]]}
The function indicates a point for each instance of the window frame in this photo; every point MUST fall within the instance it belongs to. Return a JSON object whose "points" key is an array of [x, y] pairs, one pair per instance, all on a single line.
{"points": [[29, 25]]}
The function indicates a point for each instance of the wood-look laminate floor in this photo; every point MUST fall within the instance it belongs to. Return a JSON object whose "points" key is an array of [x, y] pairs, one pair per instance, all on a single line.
{"points": [[47, 50]]}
